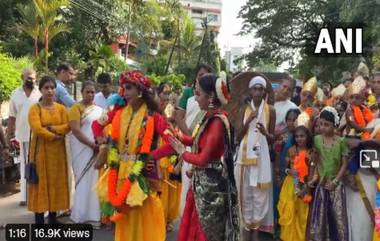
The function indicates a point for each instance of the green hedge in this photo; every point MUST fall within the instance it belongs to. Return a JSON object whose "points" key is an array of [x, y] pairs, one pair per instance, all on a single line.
{"points": [[10, 74]]}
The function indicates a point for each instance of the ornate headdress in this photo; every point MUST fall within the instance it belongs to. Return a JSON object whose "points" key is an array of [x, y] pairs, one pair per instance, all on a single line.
{"points": [[357, 86], [333, 111], [311, 85], [221, 88], [338, 91], [363, 70], [134, 77], [303, 119], [320, 96]]}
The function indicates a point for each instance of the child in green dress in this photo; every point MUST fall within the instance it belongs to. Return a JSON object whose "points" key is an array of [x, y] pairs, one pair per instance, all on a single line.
{"points": [[328, 216]]}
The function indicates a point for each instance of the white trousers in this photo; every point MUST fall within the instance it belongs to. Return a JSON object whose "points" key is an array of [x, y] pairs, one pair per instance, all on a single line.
{"points": [[24, 150]]}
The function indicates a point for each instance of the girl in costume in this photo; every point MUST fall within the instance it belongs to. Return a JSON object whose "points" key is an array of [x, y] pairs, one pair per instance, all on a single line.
{"points": [[86, 206], [131, 190], [49, 124], [285, 141], [210, 212], [295, 194], [328, 216], [282, 144], [170, 183]]}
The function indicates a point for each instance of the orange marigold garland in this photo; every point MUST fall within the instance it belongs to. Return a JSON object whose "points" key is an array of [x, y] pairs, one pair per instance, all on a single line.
{"points": [[118, 198], [302, 170], [362, 116], [309, 111]]}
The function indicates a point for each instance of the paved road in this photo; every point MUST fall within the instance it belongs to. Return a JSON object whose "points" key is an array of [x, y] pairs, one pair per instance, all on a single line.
{"points": [[10, 212]]}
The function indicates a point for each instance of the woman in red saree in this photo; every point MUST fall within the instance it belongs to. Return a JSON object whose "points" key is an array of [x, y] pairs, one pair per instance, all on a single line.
{"points": [[213, 192]]}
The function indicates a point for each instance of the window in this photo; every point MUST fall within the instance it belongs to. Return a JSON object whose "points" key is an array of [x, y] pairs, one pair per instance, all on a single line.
{"points": [[197, 12], [212, 18]]}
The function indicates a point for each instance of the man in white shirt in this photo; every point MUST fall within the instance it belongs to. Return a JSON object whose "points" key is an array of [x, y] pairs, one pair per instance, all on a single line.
{"points": [[283, 104], [105, 86], [21, 99]]}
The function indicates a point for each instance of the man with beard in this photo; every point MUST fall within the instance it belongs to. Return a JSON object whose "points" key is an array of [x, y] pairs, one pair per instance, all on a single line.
{"points": [[21, 99]]}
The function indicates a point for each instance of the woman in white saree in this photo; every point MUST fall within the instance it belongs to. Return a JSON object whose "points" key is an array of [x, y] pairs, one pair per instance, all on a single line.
{"points": [[86, 206]]}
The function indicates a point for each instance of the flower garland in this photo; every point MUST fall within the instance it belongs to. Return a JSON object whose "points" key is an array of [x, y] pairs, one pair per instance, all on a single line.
{"points": [[173, 161], [362, 116], [302, 170], [309, 111], [118, 199]]}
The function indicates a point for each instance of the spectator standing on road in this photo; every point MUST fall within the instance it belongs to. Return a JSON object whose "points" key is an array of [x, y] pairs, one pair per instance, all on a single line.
{"points": [[65, 76], [49, 123], [104, 82], [21, 100], [86, 206]]}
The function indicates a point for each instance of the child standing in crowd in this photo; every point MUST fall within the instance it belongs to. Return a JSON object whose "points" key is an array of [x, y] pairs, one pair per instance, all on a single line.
{"points": [[295, 194], [328, 217], [285, 141]]}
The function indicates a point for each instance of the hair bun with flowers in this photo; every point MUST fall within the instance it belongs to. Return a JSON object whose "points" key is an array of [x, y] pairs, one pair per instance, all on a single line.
{"points": [[333, 111], [221, 89]]}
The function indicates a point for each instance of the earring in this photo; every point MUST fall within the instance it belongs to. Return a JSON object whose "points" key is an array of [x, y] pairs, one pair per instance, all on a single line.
{"points": [[140, 95]]}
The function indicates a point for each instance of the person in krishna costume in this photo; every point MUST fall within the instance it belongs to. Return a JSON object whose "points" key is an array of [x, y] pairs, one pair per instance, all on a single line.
{"points": [[128, 187]]}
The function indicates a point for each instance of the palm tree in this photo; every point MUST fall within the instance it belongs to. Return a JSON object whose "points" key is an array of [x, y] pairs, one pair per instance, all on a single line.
{"points": [[30, 23], [40, 19], [48, 12], [190, 43]]}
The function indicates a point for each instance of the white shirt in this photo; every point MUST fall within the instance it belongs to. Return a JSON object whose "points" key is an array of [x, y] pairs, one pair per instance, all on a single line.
{"points": [[192, 109], [100, 100], [282, 107], [19, 108]]}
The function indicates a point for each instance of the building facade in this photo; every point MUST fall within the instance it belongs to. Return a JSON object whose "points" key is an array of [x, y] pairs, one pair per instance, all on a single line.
{"points": [[231, 55], [199, 10]]}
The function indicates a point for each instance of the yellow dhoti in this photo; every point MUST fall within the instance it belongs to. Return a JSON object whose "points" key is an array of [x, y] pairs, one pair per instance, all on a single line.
{"points": [[293, 213]]}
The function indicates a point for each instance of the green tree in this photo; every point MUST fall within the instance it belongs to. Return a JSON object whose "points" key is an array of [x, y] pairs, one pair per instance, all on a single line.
{"points": [[209, 52], [30, 23], [10, 74], [48, 12], [286, 28], [40, 19]]}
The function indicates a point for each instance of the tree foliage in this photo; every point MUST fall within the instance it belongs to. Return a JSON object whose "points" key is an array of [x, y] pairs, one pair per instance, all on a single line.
{"points": [[10, 74], [286, 28]]}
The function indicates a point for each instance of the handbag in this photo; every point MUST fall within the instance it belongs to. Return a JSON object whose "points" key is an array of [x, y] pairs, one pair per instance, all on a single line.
{"points": [[31, 174]]}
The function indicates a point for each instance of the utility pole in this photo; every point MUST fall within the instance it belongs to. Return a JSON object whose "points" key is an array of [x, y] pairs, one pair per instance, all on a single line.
{"points": [[128, 30]]}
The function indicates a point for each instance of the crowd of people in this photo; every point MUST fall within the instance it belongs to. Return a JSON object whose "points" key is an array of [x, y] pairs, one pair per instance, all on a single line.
{"points": [[137, 158]]}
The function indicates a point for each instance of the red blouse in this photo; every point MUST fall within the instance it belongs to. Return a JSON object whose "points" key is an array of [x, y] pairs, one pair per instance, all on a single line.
{"points": [[211, 145]]}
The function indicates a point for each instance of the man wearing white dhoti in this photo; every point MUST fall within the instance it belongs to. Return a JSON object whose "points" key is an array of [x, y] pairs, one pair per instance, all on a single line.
{"points": [[86, 206], [253, 171], [21, 99]]}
